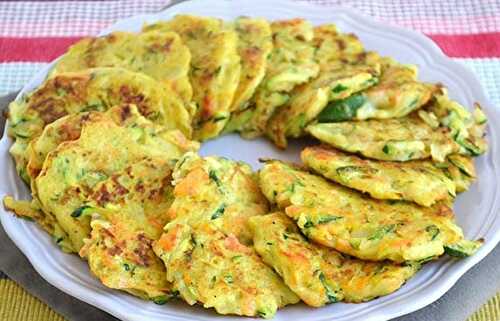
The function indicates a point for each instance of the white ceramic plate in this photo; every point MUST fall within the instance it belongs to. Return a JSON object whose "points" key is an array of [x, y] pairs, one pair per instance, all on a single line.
{"points": [[476, 210]]}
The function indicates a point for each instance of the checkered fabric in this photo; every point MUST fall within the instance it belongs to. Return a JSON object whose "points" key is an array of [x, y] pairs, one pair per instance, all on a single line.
{"points": [[34, 32]]}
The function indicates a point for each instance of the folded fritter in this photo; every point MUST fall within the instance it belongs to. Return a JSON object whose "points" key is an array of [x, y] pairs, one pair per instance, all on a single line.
{"points": [[217, 190], [122, 258], [72, 172], [418, 181], [397, 94], [319, 275], [345, 68], [254, 45], [90, 90], [207, 266], [215, 68], [290, 63], [160, 55], [397, 139], [351, 223]]}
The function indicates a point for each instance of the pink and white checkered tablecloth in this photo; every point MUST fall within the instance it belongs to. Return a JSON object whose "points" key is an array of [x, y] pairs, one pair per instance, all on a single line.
{"points": [[32, 33]]}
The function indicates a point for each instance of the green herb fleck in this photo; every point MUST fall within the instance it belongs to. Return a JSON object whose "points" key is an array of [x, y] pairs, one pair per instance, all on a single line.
{"points": [[162, 299], [292, 188], [219, 118], [433, 230], [330, 293], [381, 232], [228, 278], [413, 103], [219, 211], [213, 176], [426, 259], [339, 88], [328, 218], [264, 314], [308, 223], [79, 211]]}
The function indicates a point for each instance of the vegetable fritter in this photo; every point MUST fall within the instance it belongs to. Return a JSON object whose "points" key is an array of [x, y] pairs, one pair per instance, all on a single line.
{"points": [[345, 68], [291, 63], [351, 223], [161, 56], [419, 181], [254, 45], [395, 139], [73, 171], [320, 275], [465, 128], [397, 94], [217, 190], [205, 265], [90, 90], [122, 258], [215, 68]]}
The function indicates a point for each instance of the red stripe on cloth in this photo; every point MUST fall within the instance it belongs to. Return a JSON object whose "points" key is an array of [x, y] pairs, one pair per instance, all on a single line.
{"points": [[484, 45], [48, 48], [34, 49]]}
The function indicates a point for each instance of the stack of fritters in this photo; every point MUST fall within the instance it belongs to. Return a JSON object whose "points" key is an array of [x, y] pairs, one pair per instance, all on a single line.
{"points": [[108, 146]]}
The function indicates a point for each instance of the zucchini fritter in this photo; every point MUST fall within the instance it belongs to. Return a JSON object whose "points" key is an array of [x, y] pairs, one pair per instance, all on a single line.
{"points": [[417, 181], [90, 90], [128, 212], [291, 63], [217, 190], [207, 266], [345, 68], [460, 169], [441, 128], [397, 139], [69, 128], [215, 68], [397, 94], [63, 129], [320, 275], [122, 258], [160, 55], [74, 169], [351, 223], [465, 128], [254, 45], [31, 210]]}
